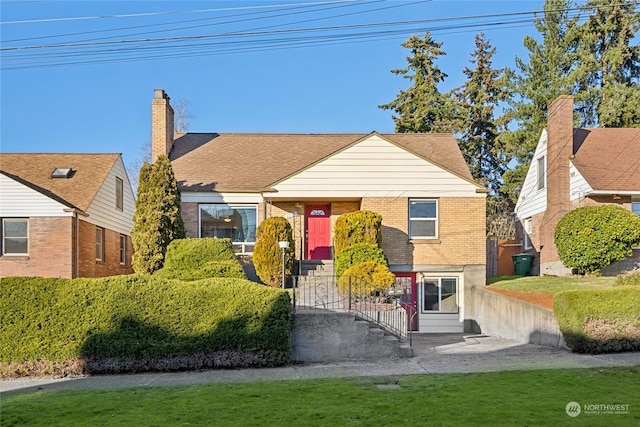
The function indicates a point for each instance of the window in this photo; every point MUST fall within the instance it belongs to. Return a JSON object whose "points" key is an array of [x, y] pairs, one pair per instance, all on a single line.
{"points": [[439, 295], [527, 233], [635, 208], [236, 222], [423, 219], [542, 174], [99, 244], [123, 249], [15, 236], [119, 194]]}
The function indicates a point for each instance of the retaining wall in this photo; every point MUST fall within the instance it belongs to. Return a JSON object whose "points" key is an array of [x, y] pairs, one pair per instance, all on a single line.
{"points": [[511, 318]]}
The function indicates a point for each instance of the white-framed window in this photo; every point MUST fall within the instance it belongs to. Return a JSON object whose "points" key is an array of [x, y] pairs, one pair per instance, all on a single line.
{"points": [[635, 207], [99, 244], [123, 249], [423, 219], [527, 233], [237, 222], [119, 194], [542, 173], [15, 236], [439, 294]]}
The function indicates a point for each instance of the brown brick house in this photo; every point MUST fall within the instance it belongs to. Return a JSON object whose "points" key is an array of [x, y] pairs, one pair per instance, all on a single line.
{"points": [[433, 212], [65, 215], [575, 167]]}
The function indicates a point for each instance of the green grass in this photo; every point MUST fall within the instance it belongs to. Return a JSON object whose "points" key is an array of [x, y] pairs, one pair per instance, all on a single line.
{"points": [[549, 284], [531, 398]]}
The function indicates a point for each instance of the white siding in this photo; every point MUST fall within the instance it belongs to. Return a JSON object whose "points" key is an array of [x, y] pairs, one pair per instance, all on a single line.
{"points": [[103, 212], [375, 168], [18, 200], [193, 197], [578, 185], [531, 200]]}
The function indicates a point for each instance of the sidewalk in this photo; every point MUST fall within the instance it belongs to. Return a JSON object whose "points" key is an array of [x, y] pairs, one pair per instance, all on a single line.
{"points": [[434, 354]]}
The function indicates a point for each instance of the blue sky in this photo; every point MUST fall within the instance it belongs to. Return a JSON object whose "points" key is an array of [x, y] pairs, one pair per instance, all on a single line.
{"points": [[300, 66]]}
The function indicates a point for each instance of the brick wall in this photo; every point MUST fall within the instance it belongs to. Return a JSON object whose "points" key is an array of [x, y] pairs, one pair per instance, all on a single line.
{"points": [[190, 219], [50, 250], [461, 232], [110, 266], [559, 150]]}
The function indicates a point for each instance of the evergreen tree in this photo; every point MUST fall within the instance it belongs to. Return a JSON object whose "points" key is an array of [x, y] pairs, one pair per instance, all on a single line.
{"points": [[548, 73], [157, 220], [421, 108], [484, 91], [609, 66]]}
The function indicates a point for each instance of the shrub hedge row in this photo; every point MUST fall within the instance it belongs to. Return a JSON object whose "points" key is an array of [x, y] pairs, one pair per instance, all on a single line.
{"points": [[365, 278], [599, 321], [194, 259], [140, 323]]}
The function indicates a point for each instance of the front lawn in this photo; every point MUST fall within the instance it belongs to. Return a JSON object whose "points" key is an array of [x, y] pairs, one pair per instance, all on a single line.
{"points": [[496, 399], [549, 284]]}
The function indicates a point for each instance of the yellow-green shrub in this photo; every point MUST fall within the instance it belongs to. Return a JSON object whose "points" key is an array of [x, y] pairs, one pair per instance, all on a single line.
{"points": [[366, 278], [599, 320], [267, 255], [139, 323], [356, 254], [357, 227]]}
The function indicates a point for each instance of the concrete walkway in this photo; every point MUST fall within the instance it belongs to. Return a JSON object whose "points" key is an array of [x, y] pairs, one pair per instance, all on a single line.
{"points": [[434, 354]]}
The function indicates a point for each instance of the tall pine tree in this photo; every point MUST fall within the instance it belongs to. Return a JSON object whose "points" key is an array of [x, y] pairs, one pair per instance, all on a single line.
{"points": [[158, 219], [484, 91], [546, 74], [421, 108], [609, 65]]}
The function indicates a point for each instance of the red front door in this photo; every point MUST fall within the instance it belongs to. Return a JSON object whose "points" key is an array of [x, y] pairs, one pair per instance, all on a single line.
{"points": [[318, 231]]}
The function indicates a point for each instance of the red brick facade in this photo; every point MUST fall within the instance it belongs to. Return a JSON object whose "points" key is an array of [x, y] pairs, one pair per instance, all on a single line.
{"points": [[52, 251]]}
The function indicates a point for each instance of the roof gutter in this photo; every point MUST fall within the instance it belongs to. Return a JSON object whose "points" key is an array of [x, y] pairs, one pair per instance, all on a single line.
{"points": [[612, 192]]}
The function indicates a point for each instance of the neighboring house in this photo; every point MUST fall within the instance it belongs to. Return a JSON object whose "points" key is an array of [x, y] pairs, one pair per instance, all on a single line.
{"points": [[433, 227], [573, 168], [65, 215]]}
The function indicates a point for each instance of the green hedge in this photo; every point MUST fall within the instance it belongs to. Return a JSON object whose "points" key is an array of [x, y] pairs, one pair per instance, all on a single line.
{"points": [[143, 323], [357, 227], [267, 255], [356, 254], [599, 321], [194, 259]]}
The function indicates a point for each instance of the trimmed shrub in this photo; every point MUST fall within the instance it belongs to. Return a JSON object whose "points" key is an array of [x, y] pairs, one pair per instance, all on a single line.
{"points": [[357, 227], [142, 323], [366, 278], [267, 255], [628, 279], [194, 259], [599, 321], [356, 254], [593, 237]]}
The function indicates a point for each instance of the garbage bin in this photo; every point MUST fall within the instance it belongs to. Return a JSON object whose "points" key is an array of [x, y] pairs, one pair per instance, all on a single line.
{"points": [[522, 263]]}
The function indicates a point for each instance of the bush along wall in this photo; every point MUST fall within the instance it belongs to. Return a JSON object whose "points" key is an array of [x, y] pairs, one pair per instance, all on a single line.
{"points": [[357, 227], [139, 323], [600, 321], [355, 254], [195, 259]]}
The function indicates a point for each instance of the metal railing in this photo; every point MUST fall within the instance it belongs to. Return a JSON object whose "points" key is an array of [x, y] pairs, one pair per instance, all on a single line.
{"points": [[390, 309]]}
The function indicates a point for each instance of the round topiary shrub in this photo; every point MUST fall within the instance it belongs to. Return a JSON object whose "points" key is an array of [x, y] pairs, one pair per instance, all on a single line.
{"points": [[357, 227], [267, 255], [356, 254], [592, 237], [366, 278]]}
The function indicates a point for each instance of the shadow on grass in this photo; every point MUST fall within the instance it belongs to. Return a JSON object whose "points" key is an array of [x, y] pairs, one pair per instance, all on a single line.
{"points": [[496, 279]]}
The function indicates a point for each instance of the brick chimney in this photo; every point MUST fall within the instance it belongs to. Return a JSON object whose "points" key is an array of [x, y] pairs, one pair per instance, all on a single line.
{"points": [[559, 151], [161, 124]]}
